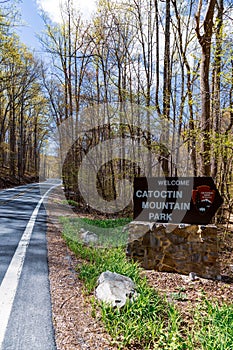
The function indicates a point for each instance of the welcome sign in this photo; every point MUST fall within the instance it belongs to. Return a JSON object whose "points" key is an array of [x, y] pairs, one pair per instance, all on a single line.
{"points": [[191, 200]]}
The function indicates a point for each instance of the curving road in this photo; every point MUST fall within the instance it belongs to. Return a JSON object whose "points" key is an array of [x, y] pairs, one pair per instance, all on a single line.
{"points": [[25, 305]]}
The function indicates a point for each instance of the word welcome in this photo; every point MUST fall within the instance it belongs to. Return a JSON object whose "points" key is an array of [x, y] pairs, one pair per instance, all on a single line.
{"points": [[175, 182]]}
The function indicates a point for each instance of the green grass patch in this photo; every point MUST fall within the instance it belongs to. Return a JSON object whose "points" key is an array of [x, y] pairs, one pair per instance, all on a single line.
{"points": [[70, 202], [150, 322], [110, 232], [99, 260], [213, 325], [106, 223]]}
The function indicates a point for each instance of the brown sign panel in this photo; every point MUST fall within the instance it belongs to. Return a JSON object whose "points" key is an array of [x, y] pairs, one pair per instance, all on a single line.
{"points": [[190, 200]]}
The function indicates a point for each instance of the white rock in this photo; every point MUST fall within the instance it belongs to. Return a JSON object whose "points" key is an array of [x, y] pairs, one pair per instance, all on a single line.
{"points": [[115, 289], [88, 237], [193, 276]]}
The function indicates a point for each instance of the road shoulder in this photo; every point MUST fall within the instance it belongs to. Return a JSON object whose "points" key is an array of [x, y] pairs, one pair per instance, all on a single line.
{"points": [[75, 328]]}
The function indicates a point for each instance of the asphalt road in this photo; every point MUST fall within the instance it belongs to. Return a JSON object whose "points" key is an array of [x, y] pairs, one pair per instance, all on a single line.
{"points": [[25, 305]]}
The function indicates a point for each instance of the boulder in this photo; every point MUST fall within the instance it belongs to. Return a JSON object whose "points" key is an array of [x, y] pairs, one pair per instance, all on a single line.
{"points": [[88, 237], [115, 289]]}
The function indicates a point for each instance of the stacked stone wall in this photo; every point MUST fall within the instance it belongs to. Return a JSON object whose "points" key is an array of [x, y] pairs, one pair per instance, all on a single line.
{"points": [[172, 248]]}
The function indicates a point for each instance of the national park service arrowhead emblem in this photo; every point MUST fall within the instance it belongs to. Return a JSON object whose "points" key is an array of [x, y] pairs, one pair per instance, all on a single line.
{"points": [[203, 198]]}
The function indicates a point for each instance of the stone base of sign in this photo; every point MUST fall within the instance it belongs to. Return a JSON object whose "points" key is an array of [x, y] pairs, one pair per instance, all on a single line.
{"points": [[175, 248]]}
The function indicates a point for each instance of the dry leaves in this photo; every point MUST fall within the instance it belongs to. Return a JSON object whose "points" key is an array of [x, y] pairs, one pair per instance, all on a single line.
{"points": [[75, 328]]}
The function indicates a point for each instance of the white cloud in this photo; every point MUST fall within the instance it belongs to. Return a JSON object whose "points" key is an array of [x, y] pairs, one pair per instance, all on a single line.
{"points": [[53, 7]]}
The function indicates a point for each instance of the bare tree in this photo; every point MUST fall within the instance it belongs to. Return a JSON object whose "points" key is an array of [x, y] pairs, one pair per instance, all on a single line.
{"points": [[205, 43]]}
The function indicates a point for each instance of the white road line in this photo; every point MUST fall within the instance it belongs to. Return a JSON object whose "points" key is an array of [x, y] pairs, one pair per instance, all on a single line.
{"points": [[10, 281]]}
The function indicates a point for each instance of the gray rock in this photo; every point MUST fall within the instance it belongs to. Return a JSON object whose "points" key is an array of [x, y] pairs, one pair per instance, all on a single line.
{"points": [[115, 289], [88, 237], [125, 229], [193, 276]]}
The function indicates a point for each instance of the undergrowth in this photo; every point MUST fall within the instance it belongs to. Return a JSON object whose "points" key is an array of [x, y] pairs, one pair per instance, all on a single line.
{"points": [[213, 326], [150, 322], [110, 232]]}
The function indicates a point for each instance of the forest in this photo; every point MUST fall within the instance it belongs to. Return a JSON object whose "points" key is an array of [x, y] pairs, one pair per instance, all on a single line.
{"points": [[150, 77]]}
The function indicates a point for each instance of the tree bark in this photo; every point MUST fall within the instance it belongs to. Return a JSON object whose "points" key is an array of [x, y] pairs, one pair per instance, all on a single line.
{"points": [[205, 43]]}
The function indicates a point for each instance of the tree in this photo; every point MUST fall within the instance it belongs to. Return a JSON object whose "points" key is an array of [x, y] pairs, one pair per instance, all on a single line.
{"points": [[23, 125], [205, 42], [159, 55], [183, 32], [217, 67]]}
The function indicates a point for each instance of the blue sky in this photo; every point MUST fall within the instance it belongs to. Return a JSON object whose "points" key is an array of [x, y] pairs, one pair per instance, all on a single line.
{"points": [[33, 22]]}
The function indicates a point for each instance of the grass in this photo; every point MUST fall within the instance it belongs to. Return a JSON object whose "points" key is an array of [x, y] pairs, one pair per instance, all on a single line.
{"points": [[110, 232], [214, 325], [70, 202], [150, 322]]}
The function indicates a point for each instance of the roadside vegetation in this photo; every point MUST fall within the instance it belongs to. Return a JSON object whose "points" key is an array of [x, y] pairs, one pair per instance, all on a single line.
{"points": [[109, 232], [151, 321]]}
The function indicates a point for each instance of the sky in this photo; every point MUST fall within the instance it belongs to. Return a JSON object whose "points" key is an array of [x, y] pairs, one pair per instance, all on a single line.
{"points": [[33, 23]]}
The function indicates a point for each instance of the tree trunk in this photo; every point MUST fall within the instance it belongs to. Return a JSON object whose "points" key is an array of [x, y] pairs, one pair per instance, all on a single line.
{"points": [[205, 42], [167, 68], [217, 86]]}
